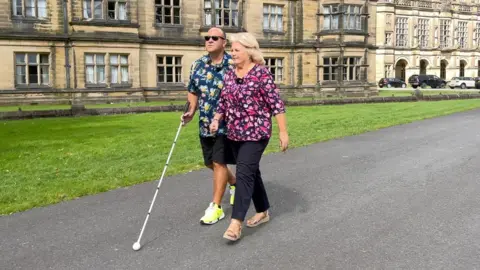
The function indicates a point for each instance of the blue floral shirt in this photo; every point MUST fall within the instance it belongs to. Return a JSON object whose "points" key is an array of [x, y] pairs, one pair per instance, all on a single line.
{"points": [[206, 81]]}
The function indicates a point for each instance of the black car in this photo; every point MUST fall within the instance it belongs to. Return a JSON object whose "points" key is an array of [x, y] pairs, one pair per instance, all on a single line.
{"points": [[426, 80], [391, 82], [477, 82]]}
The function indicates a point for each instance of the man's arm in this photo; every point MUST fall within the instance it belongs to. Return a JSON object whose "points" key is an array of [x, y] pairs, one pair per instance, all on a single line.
{"points": [[193, 99]]}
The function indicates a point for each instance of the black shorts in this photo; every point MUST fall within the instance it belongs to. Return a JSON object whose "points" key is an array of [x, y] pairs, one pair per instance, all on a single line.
{"points": [[216, 149]]}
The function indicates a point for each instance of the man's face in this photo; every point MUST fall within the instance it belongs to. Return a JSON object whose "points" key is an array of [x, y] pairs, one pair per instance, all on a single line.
{"points": [[215, 43]]}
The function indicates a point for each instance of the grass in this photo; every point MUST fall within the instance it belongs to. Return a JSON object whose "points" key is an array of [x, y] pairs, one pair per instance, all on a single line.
{"points": [[45, 161]]}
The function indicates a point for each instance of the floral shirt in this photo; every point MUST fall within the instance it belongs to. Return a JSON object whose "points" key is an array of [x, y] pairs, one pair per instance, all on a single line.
{"points": [[248, 106], [206, 81]]}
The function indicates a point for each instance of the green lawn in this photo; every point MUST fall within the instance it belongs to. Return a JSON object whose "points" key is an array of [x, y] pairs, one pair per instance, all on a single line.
{"points": [[45, 161]]}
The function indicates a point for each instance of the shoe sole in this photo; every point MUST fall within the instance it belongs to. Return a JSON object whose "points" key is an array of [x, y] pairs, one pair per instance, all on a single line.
{"points": [[213, 222], [261, 221]]}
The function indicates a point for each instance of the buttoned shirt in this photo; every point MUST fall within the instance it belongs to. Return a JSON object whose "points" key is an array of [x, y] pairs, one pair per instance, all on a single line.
{"points": [[206, 81], [249, 103]]}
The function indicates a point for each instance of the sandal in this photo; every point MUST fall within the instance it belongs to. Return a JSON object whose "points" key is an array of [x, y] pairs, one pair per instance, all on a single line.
{"points": [[231, 235], [252, 222]]}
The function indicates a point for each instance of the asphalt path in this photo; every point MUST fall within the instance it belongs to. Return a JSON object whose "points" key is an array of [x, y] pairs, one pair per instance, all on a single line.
{"points": [[405, 197]]}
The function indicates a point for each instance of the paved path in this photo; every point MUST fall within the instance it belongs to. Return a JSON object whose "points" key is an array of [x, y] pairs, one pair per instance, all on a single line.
{"points": [[404, 197]]}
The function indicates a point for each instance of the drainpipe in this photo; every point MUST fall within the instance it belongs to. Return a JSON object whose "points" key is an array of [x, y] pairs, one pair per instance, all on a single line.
{"points": [[292, 43], [67, 43]]}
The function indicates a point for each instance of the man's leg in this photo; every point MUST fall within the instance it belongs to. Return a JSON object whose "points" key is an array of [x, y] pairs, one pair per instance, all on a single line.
{"points": [[214, 212], [220, 177], [221, 156]]}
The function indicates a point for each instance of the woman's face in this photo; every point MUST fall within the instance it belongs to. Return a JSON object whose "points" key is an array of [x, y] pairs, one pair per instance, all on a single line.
{"points": [[239, 54]]}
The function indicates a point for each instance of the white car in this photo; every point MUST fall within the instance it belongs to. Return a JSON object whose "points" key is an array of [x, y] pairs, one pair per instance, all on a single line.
{"points": [[462, 82]]}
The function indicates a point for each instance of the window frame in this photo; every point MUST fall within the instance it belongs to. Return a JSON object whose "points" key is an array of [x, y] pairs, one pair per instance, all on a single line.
{"points": [[269, 13], [13, 6], [39, 66], [445, 38], [332, 76], [95, 71], [398, 42], [105, 10], [172, 8], [174, 65], [107, 64], [213, 14], [277, 68], [119, 65], [423, 32], [335, 15]]}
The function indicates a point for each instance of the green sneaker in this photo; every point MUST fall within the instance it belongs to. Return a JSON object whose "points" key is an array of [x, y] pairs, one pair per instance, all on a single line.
{"points": [[213, 214], [232, 194]]}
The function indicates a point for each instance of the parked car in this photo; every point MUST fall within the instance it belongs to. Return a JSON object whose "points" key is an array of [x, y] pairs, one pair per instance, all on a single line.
{"points": [[391, 82], [462, 82], [426, 80], [477, 83]]}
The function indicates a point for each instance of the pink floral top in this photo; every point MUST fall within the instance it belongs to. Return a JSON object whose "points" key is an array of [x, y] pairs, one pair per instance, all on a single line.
{"points": [[249, 103]]}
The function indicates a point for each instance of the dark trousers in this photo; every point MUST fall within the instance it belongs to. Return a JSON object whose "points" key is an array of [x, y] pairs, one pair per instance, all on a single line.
{"points": [[249, 184]]}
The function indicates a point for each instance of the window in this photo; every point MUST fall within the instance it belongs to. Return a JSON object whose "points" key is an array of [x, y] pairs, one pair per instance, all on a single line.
{"points": [[169, 69], [222, 12], [167, 11], [30, 8], [462, 34], [401, 31], [119, 69], [95, 69], [388, 68], [351, 68], [330, 68], [444, 33], [32, 69], [105, 9], [273, 17], [353, 18], [275, 66], [388, 39], [331, 17], [423, 33]]}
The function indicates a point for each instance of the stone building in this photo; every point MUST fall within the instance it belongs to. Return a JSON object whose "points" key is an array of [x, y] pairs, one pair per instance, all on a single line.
{"points": [[428, 37], [98, 50]]}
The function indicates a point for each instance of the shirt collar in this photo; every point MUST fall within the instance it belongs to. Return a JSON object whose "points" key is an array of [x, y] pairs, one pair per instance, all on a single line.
{"points": [[227, 59]]}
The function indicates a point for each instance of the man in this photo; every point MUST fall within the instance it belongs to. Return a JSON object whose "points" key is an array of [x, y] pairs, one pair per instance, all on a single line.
{"points": [[204, 87]]}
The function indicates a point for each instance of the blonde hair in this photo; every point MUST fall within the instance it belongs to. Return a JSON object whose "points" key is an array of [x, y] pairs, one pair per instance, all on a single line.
{"points": [[251, 44]]}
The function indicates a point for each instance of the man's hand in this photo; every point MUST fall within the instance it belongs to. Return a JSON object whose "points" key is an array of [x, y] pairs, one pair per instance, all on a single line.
{"points": [[214, 126], [187, 117]]}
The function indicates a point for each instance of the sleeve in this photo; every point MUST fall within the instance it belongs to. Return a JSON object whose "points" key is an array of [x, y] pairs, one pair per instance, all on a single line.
{"points": [[271, 93], [192, 86]]}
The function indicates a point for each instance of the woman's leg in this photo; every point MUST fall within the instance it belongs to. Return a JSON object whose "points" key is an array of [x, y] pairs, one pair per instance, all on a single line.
{"points": [[248, 159], [260, 198]]}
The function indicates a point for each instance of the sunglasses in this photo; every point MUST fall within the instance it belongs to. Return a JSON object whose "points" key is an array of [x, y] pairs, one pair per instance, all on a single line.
{"points": [[215, 38], [239, 80]]}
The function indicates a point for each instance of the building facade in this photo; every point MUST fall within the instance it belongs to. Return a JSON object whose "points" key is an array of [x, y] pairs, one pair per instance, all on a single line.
{"points": [[98, 50], [428, 37]]}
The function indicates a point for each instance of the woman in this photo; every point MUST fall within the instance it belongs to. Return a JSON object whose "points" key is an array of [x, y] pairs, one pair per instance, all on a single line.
{"points": [[248, 101]]}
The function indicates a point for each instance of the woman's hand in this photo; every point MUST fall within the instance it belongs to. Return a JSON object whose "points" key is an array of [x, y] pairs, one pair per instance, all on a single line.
{"points": [[283, 136], [214, 126]]}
